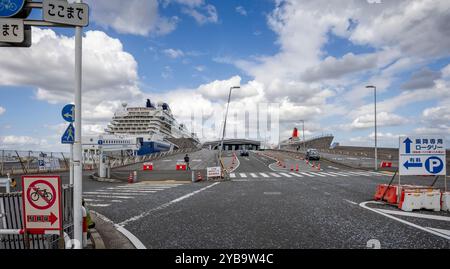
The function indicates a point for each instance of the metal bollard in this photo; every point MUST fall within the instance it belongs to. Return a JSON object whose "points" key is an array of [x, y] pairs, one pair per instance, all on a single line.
{"points": [[135, 177]]}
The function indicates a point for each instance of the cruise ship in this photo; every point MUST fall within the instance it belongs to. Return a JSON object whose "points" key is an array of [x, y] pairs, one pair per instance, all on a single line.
{"points": [[152, 128]]}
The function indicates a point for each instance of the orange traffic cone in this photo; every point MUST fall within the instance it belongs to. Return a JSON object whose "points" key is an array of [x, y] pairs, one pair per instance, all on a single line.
{"points": [[199, 176], [318, 167], [130, 178], [296, 168]]}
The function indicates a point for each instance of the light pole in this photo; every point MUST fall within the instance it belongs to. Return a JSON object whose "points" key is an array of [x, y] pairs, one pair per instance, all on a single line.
{"points": [[375, 101], [303, 134], [225, 120]]}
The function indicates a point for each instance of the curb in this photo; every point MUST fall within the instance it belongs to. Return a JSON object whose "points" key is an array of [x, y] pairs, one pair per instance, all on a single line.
{"points": [[110, 180], [96, 239]]}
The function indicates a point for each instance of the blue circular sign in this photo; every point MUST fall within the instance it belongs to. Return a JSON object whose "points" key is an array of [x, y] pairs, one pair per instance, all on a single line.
{"points": [[434, 165], [68, 112], [10, 8]]}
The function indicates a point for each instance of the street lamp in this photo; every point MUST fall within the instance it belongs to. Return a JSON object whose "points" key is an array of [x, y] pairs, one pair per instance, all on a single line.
{"points": [[375, 101], [303, 133], [225, 121]]}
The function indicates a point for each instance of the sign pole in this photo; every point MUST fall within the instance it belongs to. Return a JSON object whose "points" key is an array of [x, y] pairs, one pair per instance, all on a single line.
{"points": [[77, 162], [71, 164]]}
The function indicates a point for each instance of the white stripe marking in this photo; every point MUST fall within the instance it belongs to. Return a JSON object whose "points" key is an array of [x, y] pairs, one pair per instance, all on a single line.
{"points": [[129, 191], [99, 205], [363, 205], [232, 175], [332, 167], [339, 174], [327, 193], [253, 175], [308, 175], [286, 175], [111, 196], [275, 175], [242, 175], [111, 193], [166, 205], [442, 231], [351, 202], [317, 174], [264, 175], [323, 173], [416, 215], [295, 174]]}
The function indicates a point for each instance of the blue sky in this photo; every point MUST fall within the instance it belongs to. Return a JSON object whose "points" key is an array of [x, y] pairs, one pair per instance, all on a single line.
{"points": [[313, 58]]}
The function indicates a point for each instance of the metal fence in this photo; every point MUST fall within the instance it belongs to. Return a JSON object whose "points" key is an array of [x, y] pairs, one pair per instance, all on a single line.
{"points": [[11, 218]]}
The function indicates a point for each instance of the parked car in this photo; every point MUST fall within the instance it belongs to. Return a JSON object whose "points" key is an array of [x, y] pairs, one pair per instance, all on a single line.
{"points": [[312, 154], [244, 152]]}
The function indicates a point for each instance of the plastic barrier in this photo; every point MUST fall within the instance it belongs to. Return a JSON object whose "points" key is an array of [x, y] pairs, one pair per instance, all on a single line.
{"points": [[431, 200], [420, 198], [181, 167], [410, 200], [391, 193], [445, 201], [385, 164], [147, 167]]}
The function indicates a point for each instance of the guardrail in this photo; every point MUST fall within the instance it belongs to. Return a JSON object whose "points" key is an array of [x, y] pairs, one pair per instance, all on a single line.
{"points": [[11, 223]]}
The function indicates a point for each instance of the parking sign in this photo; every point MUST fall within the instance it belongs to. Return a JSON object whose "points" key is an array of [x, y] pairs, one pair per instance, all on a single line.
{"points": [[422, 155]]}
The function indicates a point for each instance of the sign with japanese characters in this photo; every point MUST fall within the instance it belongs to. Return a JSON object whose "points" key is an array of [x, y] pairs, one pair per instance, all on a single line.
{"points": [[41, 203], [213, 172], [422, 155], [12, 30], [59, 11]]}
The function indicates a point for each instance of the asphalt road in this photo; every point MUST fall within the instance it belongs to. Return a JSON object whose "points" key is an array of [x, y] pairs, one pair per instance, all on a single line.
{"points": [[268, 206]]}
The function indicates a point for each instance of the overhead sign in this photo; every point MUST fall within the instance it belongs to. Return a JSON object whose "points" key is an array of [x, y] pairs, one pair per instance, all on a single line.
{"points": [[12, 30], [68, 113], [69, 135], [62, 12], [422, 155], [10, 8], [42, 203], [213, 172]]}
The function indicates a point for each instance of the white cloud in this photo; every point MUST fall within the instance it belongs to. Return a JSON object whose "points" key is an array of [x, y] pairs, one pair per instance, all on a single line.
{"points": [[173, 53], [11, 141], [203, 15], [383, 119], [241, 10], [2, 110], [131, 17]]}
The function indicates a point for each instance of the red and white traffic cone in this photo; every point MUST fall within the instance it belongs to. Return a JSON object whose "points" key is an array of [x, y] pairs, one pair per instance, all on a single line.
{"points": [[292, 167], [130, 178], [318, 167], [199, 176], [296, 168], [313, 164], [85, 227]]}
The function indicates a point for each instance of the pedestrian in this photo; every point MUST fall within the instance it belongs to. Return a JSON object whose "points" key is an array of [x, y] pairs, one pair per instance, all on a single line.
{"points": [[186, 160]]}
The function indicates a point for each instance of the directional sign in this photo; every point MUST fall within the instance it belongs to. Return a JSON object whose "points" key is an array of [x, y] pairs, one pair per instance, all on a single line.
{"points": [[62, 12], [68, 113], [41, 203], [12, 30], [69, 135], [422, 155], [10, 8]]}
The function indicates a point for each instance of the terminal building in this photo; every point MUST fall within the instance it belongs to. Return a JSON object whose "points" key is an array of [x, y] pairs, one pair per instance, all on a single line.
{"points": [[234, 144]]}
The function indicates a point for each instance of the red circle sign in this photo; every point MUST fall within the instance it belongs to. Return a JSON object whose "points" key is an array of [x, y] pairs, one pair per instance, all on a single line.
{"points": [[49, 198]]}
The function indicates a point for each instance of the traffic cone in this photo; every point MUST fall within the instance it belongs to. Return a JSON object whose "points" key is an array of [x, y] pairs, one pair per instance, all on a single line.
{"points": [[130, 178], [199, 176], [296, 169], [292, 167], [318, 167], [314, 164]]}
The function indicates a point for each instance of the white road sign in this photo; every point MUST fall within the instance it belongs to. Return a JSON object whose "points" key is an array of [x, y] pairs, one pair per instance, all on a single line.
{"points": [[62, 12], [214, 172], [12, 30], [422, 155], [42, 203]]}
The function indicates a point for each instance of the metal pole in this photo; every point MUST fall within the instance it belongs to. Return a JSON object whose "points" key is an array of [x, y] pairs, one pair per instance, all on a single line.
{"points": [[376, 149], [225, 122], [303, 133], [77, 149], [3, 160], [71, 164]]}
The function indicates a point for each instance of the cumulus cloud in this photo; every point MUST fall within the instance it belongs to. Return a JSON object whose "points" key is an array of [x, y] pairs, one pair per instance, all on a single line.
{"points": [[2, 110], [19, 141], [132, 17], [383, 119], [202, 15], [173, 53]]}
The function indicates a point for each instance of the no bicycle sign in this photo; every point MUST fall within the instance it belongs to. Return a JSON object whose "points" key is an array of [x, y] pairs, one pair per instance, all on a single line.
{"points": [[42, 204]]}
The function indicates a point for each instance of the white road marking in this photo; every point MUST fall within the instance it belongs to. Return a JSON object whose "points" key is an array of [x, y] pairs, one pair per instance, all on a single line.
{"points": [[236, 167], [116, 201], [241, 180], [317, 174], [327, 174], [166, 205], [339, 174], [99, 205], [264, 175], [92, 200], [111, 196], [415, 215], [111, 193], [442, 231], [232, 175], [351, 202], [306, 174], [327, 193], [242, 175], [128, 191], [253, 175], [166, 160], [295, 174], [286, 175], [272, 193], [275, 175], [364, 205], [332, 167]]}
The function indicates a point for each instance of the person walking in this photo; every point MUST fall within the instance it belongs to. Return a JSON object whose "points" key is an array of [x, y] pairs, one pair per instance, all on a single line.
{"points": [[186, 160]]}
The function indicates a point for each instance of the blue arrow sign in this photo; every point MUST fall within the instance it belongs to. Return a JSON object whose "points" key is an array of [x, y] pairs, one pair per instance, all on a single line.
{"points": [[10, 8], [68, 112], [69, 135], [407, 143], [408, 165]]}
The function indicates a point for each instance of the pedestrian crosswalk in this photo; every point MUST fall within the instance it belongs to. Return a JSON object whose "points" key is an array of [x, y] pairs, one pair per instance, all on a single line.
{"points": [[109, 196], [309, 174]]}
